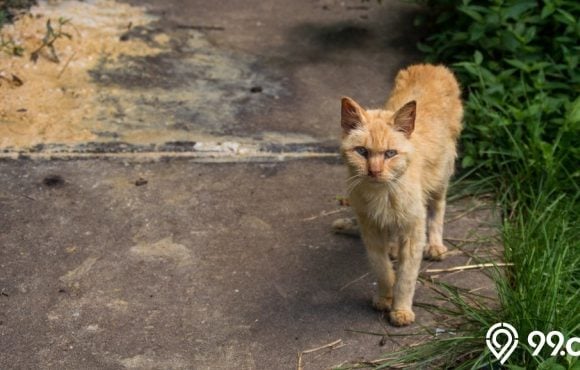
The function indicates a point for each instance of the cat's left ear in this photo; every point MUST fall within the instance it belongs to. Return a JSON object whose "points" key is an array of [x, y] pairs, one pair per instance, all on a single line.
{"points": [[350, 115], [405, 118]]}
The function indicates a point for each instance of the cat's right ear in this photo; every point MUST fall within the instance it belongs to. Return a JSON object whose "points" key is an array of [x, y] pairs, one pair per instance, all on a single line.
{"points": [[350, 115]]}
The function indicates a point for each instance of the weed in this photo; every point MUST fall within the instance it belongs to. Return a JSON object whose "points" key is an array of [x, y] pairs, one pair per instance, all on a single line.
{"points": [[51, 36], [8, 10], [8, 46]]}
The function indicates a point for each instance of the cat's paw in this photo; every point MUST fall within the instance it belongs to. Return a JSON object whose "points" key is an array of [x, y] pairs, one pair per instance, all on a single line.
{"points": [[381, 303], [435, 252], [401, 317], [348, 226]]}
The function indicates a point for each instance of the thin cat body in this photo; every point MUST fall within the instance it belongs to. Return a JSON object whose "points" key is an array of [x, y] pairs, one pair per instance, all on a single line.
{"points": [[400, 160]]}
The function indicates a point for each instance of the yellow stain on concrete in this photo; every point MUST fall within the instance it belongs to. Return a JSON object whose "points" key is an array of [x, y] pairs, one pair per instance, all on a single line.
{"points": [[57, 102]]}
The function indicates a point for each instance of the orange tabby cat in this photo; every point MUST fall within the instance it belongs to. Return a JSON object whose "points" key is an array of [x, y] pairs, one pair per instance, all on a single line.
{"points": [[400, 160]]}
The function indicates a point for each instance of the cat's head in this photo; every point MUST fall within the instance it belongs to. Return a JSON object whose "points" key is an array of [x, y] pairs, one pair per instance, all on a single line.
{"points": [[376, 143]]}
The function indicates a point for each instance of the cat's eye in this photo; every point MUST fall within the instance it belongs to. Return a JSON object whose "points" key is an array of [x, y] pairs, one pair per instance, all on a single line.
{"points": [[362, 151], [390, 153]]}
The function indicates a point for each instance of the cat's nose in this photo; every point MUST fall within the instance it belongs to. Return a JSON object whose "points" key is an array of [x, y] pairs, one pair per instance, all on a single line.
{"points": [[374, 173]]}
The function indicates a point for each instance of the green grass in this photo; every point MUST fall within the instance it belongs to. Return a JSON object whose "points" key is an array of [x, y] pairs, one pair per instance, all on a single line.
{"points": [[540, 291], [518, 63]]}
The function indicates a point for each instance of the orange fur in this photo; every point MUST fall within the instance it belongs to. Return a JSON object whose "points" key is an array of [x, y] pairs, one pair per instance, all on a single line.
{"points": [[400, 160]]}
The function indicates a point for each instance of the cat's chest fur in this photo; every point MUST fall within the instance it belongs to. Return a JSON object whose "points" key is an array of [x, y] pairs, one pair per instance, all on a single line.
{"points": [[387, 206]]}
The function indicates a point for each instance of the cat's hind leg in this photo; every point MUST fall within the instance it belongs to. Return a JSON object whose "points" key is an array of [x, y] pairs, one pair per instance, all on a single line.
{"points": [[435, 249]]}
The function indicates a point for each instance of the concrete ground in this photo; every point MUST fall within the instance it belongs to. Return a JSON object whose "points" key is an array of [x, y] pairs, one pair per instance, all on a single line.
{"points": [[195, 254]]}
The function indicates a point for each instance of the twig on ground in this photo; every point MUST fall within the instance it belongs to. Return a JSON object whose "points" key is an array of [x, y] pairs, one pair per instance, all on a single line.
{"points": [[299, 366], [200, 28], [336, 344], [324, 214], [21, 195], [453, 252], [320, 354], [469, 267], [382, 334], [329, 345], [353, 281], [449, 274], [461, 240], [65, 65], [475, 290]]}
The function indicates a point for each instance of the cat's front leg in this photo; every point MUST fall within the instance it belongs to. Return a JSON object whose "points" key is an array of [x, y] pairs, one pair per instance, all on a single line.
{"points": [[376, 243], [410, 256]]}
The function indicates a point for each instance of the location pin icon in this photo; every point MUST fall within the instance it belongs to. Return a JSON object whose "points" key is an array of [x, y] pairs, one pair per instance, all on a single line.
{"points": [[502, 351]]}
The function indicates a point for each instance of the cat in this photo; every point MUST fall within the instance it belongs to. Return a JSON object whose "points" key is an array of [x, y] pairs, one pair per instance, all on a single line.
{"points": [[400, 159]]}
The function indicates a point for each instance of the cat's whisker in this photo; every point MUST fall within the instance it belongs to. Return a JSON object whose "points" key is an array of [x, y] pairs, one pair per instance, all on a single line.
{"points": [[355, 183], [352, 177], [351, 185]]}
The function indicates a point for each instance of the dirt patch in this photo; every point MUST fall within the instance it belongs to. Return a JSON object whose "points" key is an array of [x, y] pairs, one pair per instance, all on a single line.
{"points": [[56, 101], [114, 76]]}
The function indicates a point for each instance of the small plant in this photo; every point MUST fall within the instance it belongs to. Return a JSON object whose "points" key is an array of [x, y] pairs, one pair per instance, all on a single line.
{"points": [[50, 38], [8, 46], [8, 10]]}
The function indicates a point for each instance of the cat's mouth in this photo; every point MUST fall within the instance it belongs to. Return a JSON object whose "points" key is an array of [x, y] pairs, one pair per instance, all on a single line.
{"points": [[376, 180]]}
